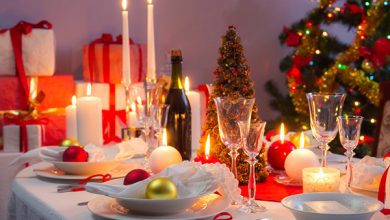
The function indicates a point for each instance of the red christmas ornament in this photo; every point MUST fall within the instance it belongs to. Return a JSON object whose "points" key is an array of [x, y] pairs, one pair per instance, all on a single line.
{"points": [[135, 175], [293, 39], [278, 152], [378, 54], [295, 74], [75, 154], [270, 134], [353, 9], [300, 61]]}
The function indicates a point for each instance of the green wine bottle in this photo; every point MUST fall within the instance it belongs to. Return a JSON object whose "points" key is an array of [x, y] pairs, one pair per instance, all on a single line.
{"points": [[179, 115]]}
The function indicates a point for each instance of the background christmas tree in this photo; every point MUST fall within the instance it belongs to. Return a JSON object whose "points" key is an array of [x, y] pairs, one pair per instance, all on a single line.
{"points": [[321, 62], [232, 80]]}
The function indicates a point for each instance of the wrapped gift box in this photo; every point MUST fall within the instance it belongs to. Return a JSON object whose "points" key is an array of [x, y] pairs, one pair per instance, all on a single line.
{"points": [[58, 91], [11, 137], [108, 56], [38, 51]]}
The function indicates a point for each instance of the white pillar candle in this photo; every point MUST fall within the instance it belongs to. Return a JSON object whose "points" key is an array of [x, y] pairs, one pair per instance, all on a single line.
{"points": [[151, 59], [126, 72], [89, 119], [132, 117], [320, 179], [196, 124], [299, 159], [71, 119]]}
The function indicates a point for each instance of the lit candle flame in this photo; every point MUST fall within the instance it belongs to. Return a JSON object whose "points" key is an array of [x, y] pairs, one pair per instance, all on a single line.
{"points": [[282, 133], [89, 89], [74, 100], [164, 138], [321, 173], [124, 4], [132, 106], [139, 100], [150, 2], [302, 141], [207, 149], [33, 87], [186, 84]]}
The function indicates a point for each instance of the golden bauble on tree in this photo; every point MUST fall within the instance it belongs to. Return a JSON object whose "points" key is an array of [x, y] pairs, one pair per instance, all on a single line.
{"points": [[67, 142], [161, 188], [295, 139], [368, 66]]}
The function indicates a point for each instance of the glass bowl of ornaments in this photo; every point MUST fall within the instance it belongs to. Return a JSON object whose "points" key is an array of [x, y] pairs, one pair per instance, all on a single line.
{"points": [[335, 206]]}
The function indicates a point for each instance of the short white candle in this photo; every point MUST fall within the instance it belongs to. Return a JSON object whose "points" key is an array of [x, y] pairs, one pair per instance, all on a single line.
{"points": [[132, 117], [151, 62], [299, 159], [320, 179], [164, 156], [71, 119], [89, 119], [196, 126], [126, 72]]}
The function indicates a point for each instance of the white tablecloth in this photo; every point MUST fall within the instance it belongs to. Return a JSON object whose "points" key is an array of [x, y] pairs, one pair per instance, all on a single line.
{"points": [[36, 198], [7, 175]]}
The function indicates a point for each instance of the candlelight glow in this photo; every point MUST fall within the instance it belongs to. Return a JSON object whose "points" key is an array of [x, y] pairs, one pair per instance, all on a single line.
{"points": [[132, 107], [33, 87], [73, 100], [150, 1], [282, 133], [89, 89], [302, 141], [186, 84], [207, 149], [321, 173], [124, 4], [139, 100], [164, 139]]}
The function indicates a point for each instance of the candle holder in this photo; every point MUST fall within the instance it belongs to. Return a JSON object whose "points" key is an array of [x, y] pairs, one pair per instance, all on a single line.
{"points": [[320, 179]]}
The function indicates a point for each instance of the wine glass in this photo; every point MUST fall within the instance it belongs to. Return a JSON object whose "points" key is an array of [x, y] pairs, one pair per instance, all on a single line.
{"points": [[324, 109], [230, 111], [349, 129], [147, 95], [252, 139], [160, 121]]}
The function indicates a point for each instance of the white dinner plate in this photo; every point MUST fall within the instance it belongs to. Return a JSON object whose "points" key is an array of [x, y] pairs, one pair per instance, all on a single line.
{"points": [[47, 170], [107, 207]]}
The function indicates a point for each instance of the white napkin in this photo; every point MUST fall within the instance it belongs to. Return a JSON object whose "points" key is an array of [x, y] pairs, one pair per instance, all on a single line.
{"points": [[191, 178], [123, 150], [367, 172]]}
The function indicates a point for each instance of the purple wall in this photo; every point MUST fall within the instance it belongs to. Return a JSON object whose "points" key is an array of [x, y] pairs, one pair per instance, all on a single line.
{"points": [[194, 26]]}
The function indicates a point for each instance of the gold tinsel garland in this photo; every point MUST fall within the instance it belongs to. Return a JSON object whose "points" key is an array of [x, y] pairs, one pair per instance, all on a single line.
{"points": [[341, 69]]}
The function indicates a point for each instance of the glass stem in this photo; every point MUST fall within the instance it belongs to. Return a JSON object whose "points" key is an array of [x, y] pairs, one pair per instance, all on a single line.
{"points": [[233, 154], [252, 180], [349, 153], [324, 148], [128, 105]]}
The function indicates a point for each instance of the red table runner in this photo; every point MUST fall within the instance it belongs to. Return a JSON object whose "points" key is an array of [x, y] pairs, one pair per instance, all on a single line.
{"points": [[271, 190]]}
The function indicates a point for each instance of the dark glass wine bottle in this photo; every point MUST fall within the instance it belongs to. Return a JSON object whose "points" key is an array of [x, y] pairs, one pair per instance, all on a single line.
{"points": [[179, 115]]}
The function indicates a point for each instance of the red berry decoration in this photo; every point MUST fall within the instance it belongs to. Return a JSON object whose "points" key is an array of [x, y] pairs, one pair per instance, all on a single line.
{"points": [[278, 152], [75, 154], [135, 176]]}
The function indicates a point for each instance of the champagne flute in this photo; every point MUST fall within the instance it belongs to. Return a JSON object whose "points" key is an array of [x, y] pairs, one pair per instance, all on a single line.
{"points": [[324, 109], [349, 129], [230, 111], [252, 139]]}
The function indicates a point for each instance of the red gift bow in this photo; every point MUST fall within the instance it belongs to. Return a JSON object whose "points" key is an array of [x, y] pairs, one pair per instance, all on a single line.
{"points": [[105, 178], [382, 191], [377, 55], [16, 32], [22, 122]]}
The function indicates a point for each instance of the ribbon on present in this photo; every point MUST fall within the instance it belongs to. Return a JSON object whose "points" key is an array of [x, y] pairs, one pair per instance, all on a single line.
{"points": [[22, 123], [384, 192], [16, 33]]}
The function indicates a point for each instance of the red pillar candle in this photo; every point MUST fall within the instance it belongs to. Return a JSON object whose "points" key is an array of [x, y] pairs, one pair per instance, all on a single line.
{"points": [[278, 151], [207, 158]]}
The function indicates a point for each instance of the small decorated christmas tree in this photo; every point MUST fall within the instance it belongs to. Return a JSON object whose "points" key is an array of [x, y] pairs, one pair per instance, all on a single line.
{"points": [[232, 80]]}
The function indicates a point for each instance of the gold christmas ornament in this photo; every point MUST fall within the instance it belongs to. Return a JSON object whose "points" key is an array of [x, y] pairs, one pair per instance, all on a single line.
{"points": [[67, 142], [367, 66], [295, 139], [161, 188]]}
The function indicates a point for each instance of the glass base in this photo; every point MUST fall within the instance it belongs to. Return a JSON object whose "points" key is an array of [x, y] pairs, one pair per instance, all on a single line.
{"points": [[251, 206]]}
